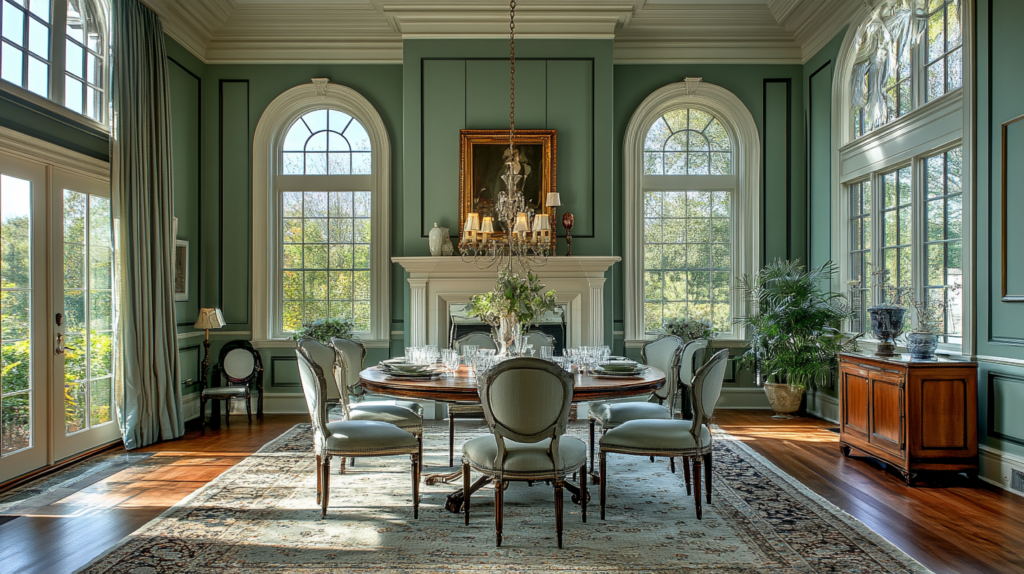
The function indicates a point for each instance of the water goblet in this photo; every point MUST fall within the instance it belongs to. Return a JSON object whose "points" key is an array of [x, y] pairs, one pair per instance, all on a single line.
{"points": [[546, 353]]}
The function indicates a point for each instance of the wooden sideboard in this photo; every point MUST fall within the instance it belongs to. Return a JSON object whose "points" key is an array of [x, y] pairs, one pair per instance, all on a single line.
{"points": [[914, 415]]}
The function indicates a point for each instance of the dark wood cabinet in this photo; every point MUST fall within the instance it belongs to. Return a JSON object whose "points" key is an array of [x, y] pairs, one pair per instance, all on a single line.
{"points": [[914, 415]]}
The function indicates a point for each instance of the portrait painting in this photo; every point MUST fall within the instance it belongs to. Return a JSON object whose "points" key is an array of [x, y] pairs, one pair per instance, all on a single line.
{"points": [[483, 158]]}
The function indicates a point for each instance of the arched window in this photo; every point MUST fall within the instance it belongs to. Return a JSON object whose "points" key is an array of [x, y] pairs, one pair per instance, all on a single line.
{"points": [[321, 188], [898, 178], [32, 49], [691, 165]]}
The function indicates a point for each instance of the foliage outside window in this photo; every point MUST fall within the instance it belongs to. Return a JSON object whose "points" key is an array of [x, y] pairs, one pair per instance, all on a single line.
{"points": [[943, 242], [899, 36], [16, 301], [860, 254], [687, 142], [29, 45], [326, 142]]}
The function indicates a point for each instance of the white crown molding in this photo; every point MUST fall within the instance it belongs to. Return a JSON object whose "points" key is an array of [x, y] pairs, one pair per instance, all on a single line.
{"points": [[371, 31]]}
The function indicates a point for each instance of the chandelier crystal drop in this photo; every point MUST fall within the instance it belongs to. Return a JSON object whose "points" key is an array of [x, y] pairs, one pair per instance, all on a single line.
{"points": [[514, 239]]}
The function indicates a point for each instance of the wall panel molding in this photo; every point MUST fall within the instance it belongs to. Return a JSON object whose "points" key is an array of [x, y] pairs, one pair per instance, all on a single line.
{"points": [[234, 199], [1012, 201], [998, 385]]}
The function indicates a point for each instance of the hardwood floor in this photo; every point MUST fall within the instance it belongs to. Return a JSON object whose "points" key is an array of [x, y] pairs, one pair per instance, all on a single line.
{"points": [[945, 523]]}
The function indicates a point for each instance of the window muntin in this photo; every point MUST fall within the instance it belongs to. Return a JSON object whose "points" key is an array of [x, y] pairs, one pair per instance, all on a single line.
{"points": [[860, 253], [687, 142], [25, 44], [943, 241], [84, 77], [943, 48], [687, 256], [326, 142]]}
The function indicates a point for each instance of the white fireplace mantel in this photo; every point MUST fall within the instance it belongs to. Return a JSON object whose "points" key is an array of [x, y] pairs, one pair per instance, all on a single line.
{"points": [[437, 282]]}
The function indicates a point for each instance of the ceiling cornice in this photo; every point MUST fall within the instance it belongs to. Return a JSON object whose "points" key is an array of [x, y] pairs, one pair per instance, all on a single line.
{"points": [[371, 31]]}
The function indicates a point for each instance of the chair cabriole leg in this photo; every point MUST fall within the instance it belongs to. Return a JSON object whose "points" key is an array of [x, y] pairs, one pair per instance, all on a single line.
{"points": [[466, 490], [672, 464], [325, 472], [592, 423], [686, 473], [584, 494], [499, 500], [696, 486], [415, 486], [451, 437], [319, 478], [558, 510], [604, 481], [248, 408], [707, 476]]}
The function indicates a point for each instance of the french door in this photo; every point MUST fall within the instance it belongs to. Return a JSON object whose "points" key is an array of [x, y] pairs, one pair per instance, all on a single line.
{"points": [[56, 316]]}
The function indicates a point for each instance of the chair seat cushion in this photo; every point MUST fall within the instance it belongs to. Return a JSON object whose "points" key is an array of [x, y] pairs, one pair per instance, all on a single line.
{"points": [[356, 436], [611, 415], [228, 391], [393, 414], [656, 435], [524, 458], [411, 405]]}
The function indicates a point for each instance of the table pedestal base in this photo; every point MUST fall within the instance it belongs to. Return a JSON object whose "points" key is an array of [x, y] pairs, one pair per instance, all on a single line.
{"points": [[456, 501]]}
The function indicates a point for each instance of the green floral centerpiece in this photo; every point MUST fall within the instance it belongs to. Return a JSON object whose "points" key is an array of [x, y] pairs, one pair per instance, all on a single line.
{"points": [[515, 301], [323, 330]]}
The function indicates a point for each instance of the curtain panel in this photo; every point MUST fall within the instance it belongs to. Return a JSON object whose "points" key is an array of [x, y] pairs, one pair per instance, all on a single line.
{"points": [[143, 194]]}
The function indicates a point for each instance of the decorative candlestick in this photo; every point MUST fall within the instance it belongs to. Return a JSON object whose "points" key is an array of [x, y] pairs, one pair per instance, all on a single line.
{"points": [[567, 221]]}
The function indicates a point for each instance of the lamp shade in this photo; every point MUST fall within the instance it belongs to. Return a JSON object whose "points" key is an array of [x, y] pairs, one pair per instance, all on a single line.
{"points": [[473, 222], [552, 200], [521, 224], [488, 225], [541, 223], [210, 318]]}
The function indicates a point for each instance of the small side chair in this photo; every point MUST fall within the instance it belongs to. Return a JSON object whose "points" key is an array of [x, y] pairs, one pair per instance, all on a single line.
{"points": [[349, 438], [241, 367], [652, 437], [526, 403]]}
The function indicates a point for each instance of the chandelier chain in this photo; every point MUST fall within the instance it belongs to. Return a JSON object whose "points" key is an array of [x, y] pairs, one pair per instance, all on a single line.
{"points": [[512, 74]]}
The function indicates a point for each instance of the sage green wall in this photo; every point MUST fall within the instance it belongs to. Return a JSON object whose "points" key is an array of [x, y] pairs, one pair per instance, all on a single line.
{"points": [[774, 96], [1000, 335], [817, 76]]}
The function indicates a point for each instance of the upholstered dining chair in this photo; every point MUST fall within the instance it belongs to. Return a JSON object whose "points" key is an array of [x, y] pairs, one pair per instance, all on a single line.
{"points": [[672, 357], [241, 368], [539, 339], [351, 356], [333, 364], [482, 340], [674, 437], [526, 403], [349, 438]]}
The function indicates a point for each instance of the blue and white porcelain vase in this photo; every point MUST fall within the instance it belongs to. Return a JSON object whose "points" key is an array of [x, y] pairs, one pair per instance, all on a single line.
{"points": [[922, 345], [887, 324]]}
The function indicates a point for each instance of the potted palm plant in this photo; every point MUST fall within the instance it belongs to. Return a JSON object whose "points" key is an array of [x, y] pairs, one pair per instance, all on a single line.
{"points": [[794, 328]]}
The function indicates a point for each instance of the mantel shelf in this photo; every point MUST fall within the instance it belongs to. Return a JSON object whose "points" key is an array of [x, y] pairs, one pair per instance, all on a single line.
{"points": [[558, 266]]}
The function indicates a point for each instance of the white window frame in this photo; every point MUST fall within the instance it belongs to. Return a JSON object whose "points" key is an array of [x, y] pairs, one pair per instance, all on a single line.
{"points": [[744, 185], [268, 183], [927, 130], [58, 61]]}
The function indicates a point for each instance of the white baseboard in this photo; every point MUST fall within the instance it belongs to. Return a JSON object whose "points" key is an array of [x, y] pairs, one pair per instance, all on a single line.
{"points": [[995, 467], [823, 407], [746, 398]]}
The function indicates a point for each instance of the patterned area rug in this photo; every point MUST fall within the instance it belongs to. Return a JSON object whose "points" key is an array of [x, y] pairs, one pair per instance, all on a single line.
{"points": [[262, 516]]}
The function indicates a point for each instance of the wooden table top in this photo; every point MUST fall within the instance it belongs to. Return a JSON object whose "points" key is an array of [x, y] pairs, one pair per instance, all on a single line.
{"points": [[462, 388]]}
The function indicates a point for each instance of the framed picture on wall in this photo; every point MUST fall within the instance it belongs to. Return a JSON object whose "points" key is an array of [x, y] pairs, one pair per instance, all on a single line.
{"points": [[181, 270], [482, 158]]}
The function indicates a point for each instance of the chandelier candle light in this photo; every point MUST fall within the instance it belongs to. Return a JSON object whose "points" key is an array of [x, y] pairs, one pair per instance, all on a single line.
{"points": [[527, 240]]}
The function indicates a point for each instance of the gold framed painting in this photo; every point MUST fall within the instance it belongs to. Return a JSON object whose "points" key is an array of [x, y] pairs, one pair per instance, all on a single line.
{"points": [[482, 157]]}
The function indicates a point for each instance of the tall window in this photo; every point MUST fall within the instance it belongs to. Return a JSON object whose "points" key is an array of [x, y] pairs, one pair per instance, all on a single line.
{"points": [[687, 222], [325, 237], [30, 51], [903, 204]]}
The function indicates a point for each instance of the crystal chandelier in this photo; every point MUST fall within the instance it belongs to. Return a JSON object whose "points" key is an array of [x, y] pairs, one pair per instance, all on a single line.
{"points": [[526, 236]]}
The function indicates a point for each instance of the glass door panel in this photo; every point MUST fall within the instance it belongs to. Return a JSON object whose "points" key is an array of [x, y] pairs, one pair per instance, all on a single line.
{"points": [[23, 440], [86, 268]]}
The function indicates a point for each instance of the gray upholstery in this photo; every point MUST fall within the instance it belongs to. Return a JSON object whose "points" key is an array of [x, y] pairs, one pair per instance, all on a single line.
{"points": [[663, 354], [525, 459], [353, 353], [481, 339], [239, 363], [656, 436], [367, 436], [227, 391], [684, 376], [324, 356], [707, 387], [539, 339], [395, 415], [611, 415]]}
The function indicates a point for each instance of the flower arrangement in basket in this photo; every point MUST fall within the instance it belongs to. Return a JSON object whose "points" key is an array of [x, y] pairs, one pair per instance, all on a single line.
{"points": [[688, 329]]}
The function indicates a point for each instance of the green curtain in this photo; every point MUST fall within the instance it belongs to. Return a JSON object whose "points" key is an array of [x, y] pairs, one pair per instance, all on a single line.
{"points": [[143, 205]]}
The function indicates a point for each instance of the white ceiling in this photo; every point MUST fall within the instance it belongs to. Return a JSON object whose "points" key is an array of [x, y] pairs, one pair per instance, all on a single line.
{"points": [[654, 31]]}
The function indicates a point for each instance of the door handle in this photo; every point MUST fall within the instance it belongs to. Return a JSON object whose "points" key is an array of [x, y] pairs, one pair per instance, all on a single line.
{"points": [[59, 349]]}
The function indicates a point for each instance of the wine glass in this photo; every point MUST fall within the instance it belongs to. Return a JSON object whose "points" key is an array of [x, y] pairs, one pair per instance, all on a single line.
{"points": [[546, 353]]}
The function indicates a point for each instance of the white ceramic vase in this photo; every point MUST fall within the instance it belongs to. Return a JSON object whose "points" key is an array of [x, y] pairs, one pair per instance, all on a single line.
{"points": [[439, 242]]}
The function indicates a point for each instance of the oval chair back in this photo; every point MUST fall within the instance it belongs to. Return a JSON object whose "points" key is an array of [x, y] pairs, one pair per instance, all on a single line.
{"points": [[540, 339], [663, 353], [527, 400], [314, 388], [481, 339], [687, 354], [239, 362], [325, 357], [352, 354], [706, 389]]}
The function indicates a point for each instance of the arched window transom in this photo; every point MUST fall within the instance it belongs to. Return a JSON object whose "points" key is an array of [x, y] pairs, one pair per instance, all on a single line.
{"points": [[687, 142], [326, 142]]}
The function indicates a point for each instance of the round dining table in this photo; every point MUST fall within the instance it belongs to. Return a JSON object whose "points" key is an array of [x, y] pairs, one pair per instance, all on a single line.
{"points": [[461, 387]]}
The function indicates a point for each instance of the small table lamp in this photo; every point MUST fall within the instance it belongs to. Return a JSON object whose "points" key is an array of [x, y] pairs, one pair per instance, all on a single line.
{"points": [[553, 200], [209, 318]]}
